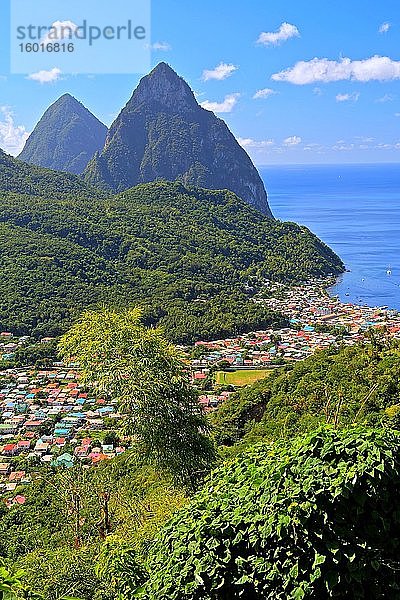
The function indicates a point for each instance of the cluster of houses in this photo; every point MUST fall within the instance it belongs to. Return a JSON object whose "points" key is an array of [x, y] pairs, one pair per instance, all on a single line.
{"points": [[310, 305], [9, 343], [46, 417], [260, 349], [211, 401], [317, 321]]}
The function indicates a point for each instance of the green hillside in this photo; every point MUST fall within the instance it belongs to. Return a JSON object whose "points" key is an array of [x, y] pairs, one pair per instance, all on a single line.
{"points": [[358, 384], [187, 255], [22, 178]]}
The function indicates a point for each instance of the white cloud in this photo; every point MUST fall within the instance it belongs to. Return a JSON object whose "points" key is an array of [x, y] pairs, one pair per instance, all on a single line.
{"points": [[314, 147], [12, 136], [385, 98], [293, 140], [46, 76], [160, 47], [226, 106], [245, 142], [394, 146], [397, 114], [343, 146], [284, 33], [348, 97], [376, 68], [250, 143], [264, 150], [384, 28], [364, 143], [265, 93], [365, 139], [222, 71], [60, 30]]}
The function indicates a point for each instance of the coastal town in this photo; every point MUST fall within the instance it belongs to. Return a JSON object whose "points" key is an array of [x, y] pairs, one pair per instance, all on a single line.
{"points": [[48, 418], [316, 322]]}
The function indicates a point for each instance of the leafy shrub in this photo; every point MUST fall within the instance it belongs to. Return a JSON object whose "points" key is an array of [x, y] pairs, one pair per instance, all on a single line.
{"points": [[12, 588], [318, 519]]}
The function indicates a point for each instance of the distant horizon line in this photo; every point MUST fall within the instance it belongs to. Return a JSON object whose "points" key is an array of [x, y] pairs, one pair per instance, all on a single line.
{"points": [[327, 164]]}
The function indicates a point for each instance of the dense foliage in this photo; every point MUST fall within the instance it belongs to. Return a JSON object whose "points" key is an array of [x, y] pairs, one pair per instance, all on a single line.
{"points": [[340, 387], [60, 559], [186, 255], [310, 518], [191, 258], [315, 519], [21, 178], [12, 587], [146, 375]]}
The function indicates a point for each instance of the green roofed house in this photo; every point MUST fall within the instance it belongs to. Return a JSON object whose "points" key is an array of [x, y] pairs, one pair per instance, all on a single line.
{"points": [[65, 460], [8, 429]]}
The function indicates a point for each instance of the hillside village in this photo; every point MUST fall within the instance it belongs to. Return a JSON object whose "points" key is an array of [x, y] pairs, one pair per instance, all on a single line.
{"points": [[317, 321], [48, 418]]}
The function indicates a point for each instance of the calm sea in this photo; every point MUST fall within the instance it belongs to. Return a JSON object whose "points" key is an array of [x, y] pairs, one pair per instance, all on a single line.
{"points": [[355, 209]]}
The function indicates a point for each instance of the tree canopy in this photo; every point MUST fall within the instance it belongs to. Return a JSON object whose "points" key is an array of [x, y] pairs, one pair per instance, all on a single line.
{"points": [[192, 258], [135, 365]]}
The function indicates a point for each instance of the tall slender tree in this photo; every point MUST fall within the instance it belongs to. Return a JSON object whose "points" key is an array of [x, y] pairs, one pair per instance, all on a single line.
{"points": [[138, 367]]}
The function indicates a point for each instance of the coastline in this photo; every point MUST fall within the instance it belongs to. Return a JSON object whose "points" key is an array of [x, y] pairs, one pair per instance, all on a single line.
{"points": [[355, 210], [315, 302], [317, 320]]}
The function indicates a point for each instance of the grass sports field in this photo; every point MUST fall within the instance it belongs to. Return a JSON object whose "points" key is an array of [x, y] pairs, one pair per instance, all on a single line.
{"points": [[240, 378]]}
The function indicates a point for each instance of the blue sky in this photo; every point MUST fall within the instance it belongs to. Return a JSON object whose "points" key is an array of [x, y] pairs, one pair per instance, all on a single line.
{"points": [[327, 77]]}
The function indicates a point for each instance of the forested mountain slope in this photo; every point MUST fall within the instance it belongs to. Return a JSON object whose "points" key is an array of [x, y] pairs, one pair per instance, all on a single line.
{"points": [[22, 178], [65, 138], [189, 256]]}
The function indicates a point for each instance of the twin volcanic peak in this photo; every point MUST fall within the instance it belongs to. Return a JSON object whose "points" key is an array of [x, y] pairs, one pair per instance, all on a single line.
{"points": [[161, 133], [65, 138]]}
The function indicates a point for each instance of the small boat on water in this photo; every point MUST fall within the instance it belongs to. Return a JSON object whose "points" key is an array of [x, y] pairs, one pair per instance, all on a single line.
{"points": [[389, 270]]}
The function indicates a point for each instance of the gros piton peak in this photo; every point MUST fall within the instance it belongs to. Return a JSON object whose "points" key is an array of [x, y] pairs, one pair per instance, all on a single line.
{"points": [[163, 88], [163, 133]]}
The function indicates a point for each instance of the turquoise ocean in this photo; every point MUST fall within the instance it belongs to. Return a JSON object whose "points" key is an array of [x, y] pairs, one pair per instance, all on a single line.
{"points": [[355, 209]]}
